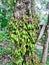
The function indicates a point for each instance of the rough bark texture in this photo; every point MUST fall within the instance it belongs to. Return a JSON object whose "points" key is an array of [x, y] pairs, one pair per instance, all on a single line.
{"points": [[23, 6]]}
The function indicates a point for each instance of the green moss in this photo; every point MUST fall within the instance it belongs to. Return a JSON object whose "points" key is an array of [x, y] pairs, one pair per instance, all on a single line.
{"points": [[23, 33]]}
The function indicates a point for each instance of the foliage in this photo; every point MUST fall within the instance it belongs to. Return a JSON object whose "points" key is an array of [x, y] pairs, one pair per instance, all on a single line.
{"points": [[40, 7], [23, 33], [38, 52], [3, 36], [47, 62], [5, 47], [6, 9]]}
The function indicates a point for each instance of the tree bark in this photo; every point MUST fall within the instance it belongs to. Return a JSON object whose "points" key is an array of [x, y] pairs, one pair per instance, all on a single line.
{"points": [[41, 33], [23, 6], [45, 47]]}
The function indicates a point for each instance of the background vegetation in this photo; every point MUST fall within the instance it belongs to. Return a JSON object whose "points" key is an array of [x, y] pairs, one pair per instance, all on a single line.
{"points": [[19, 35]]}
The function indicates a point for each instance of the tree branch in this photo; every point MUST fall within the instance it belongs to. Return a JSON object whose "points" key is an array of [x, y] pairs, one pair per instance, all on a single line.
{"points": [[41, 33]]}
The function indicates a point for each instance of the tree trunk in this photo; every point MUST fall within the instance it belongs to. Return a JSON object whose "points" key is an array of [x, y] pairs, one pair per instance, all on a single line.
{"points": [[45, 48], [23, 6]]}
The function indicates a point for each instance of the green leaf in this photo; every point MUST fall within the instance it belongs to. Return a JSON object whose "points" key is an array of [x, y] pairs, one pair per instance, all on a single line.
{"points": [[4, 23], [0, 15]]}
